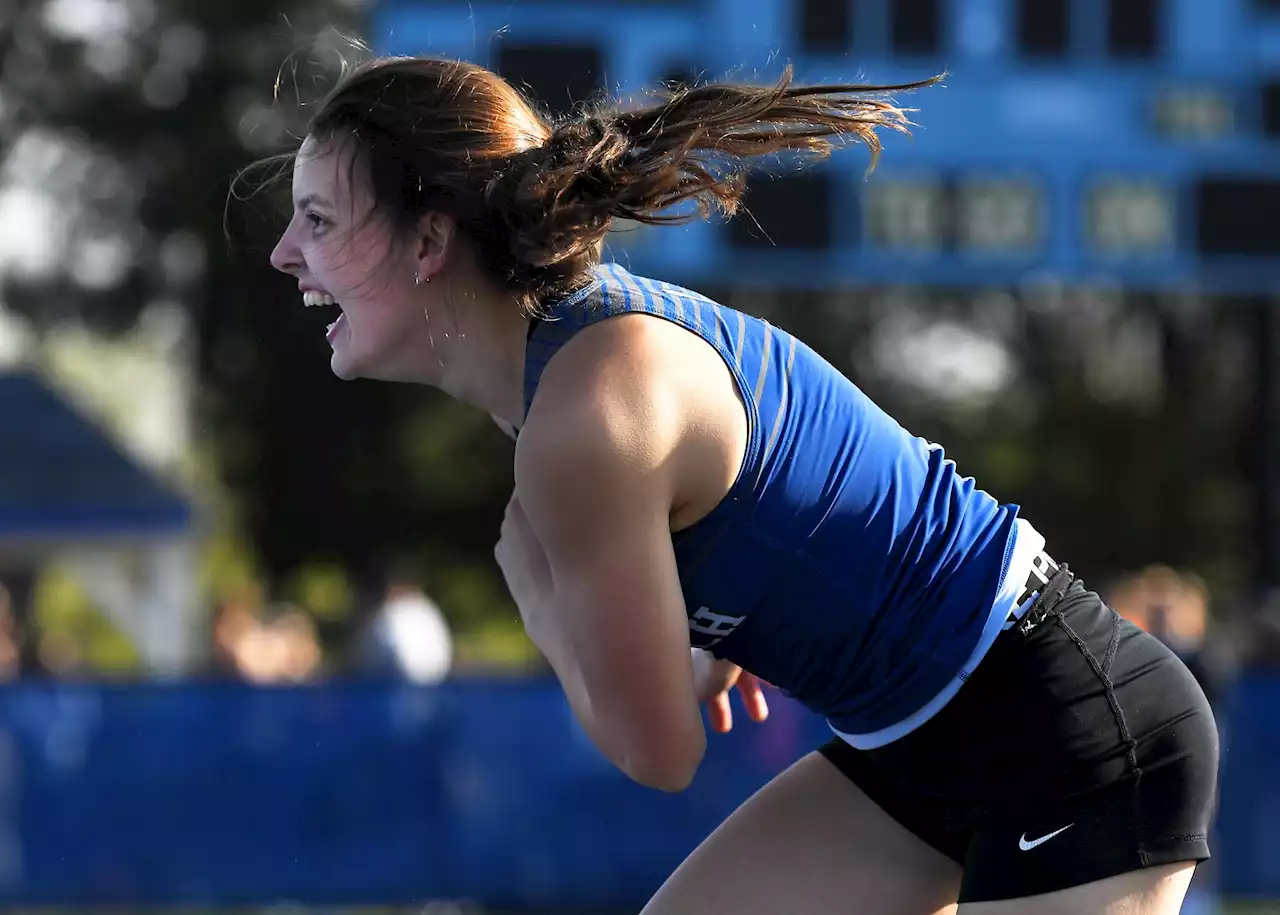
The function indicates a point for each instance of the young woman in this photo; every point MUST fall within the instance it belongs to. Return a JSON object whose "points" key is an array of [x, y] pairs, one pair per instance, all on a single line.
{"points": [[698, 494]]}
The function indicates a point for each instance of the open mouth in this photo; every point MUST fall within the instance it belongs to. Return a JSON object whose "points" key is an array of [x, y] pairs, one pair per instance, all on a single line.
{"points": [[313, 299]]}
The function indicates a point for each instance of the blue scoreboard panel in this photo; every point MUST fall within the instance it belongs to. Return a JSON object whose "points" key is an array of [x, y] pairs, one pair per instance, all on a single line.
{"points": [[1116, 141]]}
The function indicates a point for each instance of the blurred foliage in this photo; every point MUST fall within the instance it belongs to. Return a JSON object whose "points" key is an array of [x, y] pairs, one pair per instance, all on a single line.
{"points": [[133, 116], [73, 636], [1120, 423], [322, 588]]}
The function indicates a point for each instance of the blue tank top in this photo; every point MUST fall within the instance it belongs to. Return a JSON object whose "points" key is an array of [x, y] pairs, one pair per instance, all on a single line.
{"points": [[850, 564]]}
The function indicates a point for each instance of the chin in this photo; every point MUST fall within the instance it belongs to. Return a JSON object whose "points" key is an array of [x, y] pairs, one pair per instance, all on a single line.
{"points": [[374, 363], [344, 368]]}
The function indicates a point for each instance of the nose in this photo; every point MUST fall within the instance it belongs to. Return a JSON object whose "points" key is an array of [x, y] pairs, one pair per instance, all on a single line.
{"points": [[285, 256]]}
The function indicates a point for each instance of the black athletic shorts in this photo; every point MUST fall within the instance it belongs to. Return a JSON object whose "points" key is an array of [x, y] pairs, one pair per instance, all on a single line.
{"points": [[1080, 748]]}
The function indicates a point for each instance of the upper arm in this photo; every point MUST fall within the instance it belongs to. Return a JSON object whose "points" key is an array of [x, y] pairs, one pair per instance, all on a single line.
{"points": [[594, 476]]}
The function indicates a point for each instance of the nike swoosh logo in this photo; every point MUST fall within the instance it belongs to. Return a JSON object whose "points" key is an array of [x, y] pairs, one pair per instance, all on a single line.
{"points": [[1027, 846]]}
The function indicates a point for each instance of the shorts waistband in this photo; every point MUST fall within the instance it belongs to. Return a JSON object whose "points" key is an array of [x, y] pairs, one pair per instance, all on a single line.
{"points": [[1045, 586]]}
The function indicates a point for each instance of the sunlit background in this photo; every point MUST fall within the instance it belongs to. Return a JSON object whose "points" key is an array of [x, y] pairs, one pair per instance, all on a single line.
{"points": [[256, 652]]}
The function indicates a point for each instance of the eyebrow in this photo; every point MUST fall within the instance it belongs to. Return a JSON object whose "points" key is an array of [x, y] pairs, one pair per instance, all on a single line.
{"points": [[303, 202]]}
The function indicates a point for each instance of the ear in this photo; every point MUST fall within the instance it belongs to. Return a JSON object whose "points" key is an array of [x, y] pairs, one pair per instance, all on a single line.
{"points": [[436, 232]]}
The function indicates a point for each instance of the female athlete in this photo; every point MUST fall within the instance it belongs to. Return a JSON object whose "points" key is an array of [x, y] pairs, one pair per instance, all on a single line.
{"points": [[694, 483]]}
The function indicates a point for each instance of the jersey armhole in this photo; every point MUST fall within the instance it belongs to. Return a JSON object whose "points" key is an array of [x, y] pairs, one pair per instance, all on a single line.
{"points": [[749, 470]]}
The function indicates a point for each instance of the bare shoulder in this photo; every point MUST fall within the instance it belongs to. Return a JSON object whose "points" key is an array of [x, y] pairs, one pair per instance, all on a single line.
{"points": [[642, 399], [607, 394]]}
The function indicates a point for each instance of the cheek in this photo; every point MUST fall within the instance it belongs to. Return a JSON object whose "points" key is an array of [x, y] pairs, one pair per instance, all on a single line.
{"points": [[355, 270], [382, 316], [336, 269]]}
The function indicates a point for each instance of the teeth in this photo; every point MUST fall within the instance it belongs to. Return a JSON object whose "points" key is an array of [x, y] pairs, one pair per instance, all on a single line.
{"points": [[311, 298]]}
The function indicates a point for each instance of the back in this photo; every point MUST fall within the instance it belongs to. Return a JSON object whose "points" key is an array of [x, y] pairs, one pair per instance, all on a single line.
{"points": [[850, 564]]}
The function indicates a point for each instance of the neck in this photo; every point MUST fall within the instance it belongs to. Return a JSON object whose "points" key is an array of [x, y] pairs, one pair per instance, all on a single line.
{"points": [[484, 366]]}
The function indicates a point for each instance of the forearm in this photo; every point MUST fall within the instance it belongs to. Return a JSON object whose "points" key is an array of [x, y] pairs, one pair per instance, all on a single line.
{"points": [[608, 731], [568, 671]]}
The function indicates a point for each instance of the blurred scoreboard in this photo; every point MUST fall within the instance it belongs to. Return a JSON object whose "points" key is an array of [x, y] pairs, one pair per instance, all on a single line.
{"points": [[1132, 142]]}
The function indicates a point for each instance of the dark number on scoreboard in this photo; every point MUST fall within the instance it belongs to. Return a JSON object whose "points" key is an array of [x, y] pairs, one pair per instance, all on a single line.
{"points": [[1237, 215], [792, 213], [557, 76]]}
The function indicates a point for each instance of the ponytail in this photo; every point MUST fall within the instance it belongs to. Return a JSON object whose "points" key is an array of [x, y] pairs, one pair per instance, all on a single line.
{"points": [[538, 198], [557, 201]]}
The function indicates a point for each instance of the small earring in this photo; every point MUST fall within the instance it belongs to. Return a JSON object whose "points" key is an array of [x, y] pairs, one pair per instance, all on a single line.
{"points": [[417, 278]]}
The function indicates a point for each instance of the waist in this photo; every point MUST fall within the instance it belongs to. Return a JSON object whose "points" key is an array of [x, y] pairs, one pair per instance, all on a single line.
{"points": [[1026, 572], [1043, 589]]}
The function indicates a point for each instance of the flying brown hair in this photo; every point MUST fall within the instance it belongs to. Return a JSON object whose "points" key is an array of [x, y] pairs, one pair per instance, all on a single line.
{"points": [[537, 196]]}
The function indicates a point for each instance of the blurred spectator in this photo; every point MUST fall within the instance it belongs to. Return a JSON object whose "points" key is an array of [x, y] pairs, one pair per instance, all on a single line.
{"points": [[282, 648], [1174, 607], [299, 645], [60, 654], [407, 637], [278, 644], [1256, 629], [232, 621], [10, 639]]}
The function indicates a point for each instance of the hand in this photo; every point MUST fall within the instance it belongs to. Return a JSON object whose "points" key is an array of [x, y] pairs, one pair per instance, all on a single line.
{"points": [[712, 680], [524, 565]]}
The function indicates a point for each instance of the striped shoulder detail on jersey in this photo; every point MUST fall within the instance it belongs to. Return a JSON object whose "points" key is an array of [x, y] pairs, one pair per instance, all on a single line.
{"points": [[784, 394]]}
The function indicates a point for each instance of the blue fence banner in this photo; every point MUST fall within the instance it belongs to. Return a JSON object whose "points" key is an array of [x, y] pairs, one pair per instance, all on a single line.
{"points": [[371, 792]]}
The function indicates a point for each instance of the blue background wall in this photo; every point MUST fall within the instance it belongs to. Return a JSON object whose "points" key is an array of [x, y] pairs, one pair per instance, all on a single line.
{"points": [[1082, 140], [477, 790]]}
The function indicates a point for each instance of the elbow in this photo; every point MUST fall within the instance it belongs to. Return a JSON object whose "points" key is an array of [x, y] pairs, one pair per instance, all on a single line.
{"points": [[670, 779], [671, 771]]}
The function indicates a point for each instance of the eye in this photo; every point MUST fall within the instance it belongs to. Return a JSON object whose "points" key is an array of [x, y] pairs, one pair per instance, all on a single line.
{"points": [[317, 221]]}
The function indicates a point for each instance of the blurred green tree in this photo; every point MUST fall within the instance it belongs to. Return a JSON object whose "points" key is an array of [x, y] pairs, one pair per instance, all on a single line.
{"points": [[1115, 420], [123, 122], [1120, 422]]}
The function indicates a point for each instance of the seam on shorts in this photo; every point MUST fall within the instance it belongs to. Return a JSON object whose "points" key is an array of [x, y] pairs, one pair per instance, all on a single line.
{"points": [[1112, 645], [1185, 837], [1103, 672]]}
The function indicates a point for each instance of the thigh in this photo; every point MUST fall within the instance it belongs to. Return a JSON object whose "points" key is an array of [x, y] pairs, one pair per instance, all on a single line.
{"points": [[1150, 891], [810, 842]]}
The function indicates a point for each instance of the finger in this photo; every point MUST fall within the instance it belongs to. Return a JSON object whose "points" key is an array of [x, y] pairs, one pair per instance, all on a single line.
{"points": [[761, 683], [720, 714], [753, 697]]}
